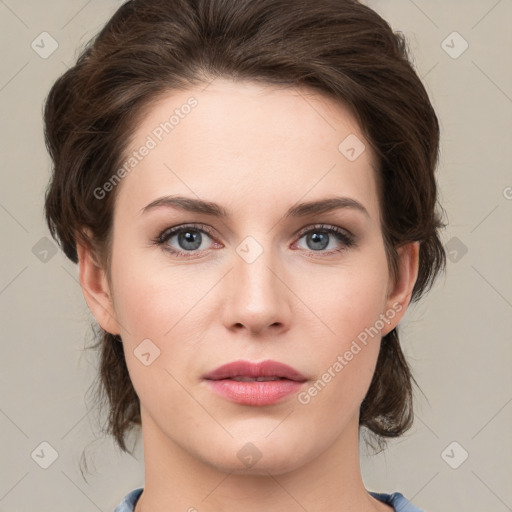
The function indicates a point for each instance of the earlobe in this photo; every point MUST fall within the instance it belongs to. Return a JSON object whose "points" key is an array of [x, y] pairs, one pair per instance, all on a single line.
{"points": [[96, 290], [401, 288]]}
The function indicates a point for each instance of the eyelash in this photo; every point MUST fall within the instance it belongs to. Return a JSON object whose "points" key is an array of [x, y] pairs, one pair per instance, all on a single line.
{"points": [[343, 236]]}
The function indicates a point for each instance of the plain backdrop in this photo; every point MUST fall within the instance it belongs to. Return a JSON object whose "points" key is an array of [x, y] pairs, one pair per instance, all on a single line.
{"points": [[458, 455]]}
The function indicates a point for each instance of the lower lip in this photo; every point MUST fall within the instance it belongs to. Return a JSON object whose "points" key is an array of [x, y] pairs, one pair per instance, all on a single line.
{"points": [[254, 392]]}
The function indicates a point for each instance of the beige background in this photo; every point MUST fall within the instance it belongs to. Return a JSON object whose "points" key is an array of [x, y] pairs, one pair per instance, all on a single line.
{"points": [[458, 340]]}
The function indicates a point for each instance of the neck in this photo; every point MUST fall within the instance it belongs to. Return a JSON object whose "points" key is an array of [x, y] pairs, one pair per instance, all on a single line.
{"points": [[176, 480]]}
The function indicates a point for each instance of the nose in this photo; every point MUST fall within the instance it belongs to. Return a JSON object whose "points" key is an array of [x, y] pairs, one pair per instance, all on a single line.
{"points": [[258, 297]]}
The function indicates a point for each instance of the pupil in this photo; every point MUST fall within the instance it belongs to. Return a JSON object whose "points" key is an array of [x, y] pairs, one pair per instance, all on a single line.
{"points": [[319, 240], [189, 240]]}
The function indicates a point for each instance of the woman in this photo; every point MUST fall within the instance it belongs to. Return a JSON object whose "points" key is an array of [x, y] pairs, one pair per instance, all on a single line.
{"points": [[248, 189]]}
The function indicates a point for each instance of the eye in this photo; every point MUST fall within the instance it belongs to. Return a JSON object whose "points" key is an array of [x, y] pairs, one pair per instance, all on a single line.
{"points": [[322, 237], [185, 240], [191, 240]]}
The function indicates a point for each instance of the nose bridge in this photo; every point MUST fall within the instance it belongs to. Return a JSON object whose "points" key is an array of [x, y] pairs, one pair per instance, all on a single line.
{"points": [[254, 259], [258, 298]]}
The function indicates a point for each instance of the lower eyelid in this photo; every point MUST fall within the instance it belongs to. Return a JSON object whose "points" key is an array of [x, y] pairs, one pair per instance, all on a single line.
{"points": [[344, 239], [339, 234]]}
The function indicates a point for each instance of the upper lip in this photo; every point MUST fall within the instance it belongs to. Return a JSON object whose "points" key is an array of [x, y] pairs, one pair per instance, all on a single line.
{"points": [[267, 368]]}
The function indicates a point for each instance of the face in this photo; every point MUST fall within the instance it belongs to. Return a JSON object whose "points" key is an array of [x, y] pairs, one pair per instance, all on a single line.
{"points": [[269, 280]]}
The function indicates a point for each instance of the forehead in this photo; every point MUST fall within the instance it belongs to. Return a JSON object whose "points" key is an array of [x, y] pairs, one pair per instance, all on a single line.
{"points": [[247, 145]]}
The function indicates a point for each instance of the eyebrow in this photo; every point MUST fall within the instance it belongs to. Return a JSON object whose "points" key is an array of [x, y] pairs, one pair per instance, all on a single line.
{"points": [[190, 204]]}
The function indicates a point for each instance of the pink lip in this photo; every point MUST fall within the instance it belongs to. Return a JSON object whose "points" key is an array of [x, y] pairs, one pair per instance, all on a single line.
{"points": [[254, 392]]}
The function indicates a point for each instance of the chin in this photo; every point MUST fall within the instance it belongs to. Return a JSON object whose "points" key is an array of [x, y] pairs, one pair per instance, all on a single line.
{"points": [[259, 457]]}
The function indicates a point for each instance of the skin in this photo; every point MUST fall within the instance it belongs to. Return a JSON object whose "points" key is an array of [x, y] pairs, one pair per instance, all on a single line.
{"points": [[256, 150]]}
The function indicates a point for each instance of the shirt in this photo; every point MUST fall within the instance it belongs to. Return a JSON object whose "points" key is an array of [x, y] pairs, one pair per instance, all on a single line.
{"points": [[396, 500]]}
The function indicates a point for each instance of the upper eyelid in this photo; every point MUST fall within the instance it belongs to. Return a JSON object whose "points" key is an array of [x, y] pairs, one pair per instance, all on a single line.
{"points": [[324, 226], [169, 232]]}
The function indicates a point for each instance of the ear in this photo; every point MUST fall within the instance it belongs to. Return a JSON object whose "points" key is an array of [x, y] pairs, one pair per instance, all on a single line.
{"points": [[400, 289], [96, 289]]}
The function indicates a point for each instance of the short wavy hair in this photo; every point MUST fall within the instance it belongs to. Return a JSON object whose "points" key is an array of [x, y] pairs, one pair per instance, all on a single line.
{"points": [[341, 48]]}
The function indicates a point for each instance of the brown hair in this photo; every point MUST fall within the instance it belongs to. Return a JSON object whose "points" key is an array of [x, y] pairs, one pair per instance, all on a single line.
{"points": [[338, 47]]}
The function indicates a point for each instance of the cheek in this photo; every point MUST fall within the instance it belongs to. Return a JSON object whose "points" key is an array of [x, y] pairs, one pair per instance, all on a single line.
{"points": [[150, 300], [161, 304], [349, 324], [345, 303], [154, 305]]}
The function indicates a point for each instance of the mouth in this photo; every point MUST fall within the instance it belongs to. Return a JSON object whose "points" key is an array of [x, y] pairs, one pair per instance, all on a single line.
{"points": [[255, 379], [247, 371], [256, 384]]}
